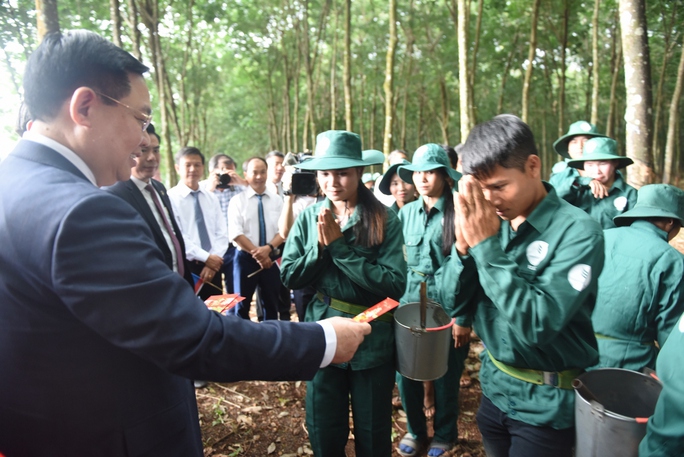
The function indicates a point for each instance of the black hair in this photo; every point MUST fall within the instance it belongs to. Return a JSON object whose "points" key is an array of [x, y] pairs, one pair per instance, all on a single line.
{"points": [[189, 151], [151, 131], [448, 231], [23, 118], [275, 154], [504, 140], [452, 154], [64, 62], [215, 159], [370, 231]]}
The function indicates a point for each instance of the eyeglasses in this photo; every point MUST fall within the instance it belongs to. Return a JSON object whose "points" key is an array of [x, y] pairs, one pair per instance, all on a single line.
{"points": [[146, 118]]}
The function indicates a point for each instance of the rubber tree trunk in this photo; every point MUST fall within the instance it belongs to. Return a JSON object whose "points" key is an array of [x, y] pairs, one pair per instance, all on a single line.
{"points": [[388, 85], [463, 79], [530, 61], [47, 19], [669, 170], [115, 16], [348, 105], [638, 110], [595, 63]]}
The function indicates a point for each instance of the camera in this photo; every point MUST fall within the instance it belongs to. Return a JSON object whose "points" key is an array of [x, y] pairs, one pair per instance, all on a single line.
{"points": [[303, 182], [224, 181]]}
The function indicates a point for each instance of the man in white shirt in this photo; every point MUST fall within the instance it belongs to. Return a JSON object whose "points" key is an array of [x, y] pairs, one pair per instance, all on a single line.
{"points": [[276, 169], [253, 226], [201, 221]]}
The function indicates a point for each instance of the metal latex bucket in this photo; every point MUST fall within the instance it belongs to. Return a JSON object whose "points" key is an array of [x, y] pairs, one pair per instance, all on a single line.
{"points": [[422, 354], [612, 407]]}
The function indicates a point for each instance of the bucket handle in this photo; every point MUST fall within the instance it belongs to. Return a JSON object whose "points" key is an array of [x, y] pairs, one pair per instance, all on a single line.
{"points": [[443, 327]]}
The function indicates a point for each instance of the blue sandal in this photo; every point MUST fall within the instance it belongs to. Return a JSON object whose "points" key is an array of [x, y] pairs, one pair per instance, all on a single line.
{"points": [[409, 446], [438, 449]]}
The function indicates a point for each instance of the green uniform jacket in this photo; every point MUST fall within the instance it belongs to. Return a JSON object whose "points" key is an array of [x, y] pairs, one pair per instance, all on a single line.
{"points": [[537, 289], [575, 190], [561, 171], [348, 272], [640, 296], [427, 263], [664, 431]]}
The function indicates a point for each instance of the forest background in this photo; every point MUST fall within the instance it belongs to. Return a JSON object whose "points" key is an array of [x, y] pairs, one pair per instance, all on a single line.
{"points": [[244, 77]]}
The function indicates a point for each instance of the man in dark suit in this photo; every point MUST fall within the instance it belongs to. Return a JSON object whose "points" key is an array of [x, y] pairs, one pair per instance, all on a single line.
{"points": [[98, 337], [148, 197]]}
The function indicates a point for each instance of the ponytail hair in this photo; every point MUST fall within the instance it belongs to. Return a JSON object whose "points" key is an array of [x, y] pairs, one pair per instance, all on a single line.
{"points": [[370, 231]]}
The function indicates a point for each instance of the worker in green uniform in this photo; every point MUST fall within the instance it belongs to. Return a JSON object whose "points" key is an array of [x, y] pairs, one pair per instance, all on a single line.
{"points": [[391, 184], [569, 146], [349, 248], [665, 428], [641, 289], [428, 225], [602, 192], [537, 259]]}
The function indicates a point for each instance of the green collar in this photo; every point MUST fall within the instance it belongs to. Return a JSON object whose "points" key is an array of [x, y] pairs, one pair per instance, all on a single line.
{"points": [[648, 227], [353, 219], [439, 205], [542, 216]]}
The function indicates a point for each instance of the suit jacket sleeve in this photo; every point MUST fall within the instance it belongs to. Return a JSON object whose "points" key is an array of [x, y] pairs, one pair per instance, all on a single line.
{"points": [[110, 275]]}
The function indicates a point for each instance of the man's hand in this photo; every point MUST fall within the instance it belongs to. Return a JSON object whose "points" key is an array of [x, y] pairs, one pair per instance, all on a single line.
{"points": [[476, 216], [212, 181], [236, 179], [350, 335], [214, 262], [207, 274], [461, 335], [261, 255], [599, 190], [328, 229]]}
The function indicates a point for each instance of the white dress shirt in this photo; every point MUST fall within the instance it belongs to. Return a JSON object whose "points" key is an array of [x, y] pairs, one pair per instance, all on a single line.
{"points": [[140, 184], [243, 215], [183, 204]]}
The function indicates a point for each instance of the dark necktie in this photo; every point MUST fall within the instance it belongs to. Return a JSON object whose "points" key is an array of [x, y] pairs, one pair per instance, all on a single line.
{"points": [[262, 222], [169, 229], [201, 226]]}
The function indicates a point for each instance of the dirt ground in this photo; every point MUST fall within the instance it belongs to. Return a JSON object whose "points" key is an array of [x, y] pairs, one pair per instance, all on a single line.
{"points": [[267, 418]]}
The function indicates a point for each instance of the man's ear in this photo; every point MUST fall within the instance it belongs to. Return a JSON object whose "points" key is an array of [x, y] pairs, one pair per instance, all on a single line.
{"points": [[177, 168], [533, 165], [81, 105]]}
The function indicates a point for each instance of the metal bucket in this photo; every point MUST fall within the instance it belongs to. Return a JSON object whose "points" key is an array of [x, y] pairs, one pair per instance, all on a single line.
{"points": [[422, 354], [615, 422]]}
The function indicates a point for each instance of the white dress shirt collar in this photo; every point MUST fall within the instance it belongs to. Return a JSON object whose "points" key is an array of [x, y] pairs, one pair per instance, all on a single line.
{"points": [[67, 153]]}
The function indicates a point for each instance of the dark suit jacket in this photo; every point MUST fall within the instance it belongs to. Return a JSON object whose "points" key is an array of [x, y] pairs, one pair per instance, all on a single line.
{"points": [[130, 192], [98, 337]]}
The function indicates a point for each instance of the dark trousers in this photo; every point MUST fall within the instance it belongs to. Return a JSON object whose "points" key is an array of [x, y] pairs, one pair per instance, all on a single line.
{"points": [[446, 400], [227, 268], [207, 290], [302, 297], [503, 436], [327, 410], [268, 280]]}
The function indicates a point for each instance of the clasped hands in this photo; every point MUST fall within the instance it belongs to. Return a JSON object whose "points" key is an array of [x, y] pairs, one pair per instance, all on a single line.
{"points": [[262, 256], [328, 228], [475, 218], [211, 266]]}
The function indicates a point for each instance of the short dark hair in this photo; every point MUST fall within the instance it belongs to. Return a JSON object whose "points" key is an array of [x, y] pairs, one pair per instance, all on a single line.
{"points": [[23, 119], [275, 154], [189, 151], [504, 140], [248, 161], [64, 62], [452, 154], [215, 159], [151, 131]]}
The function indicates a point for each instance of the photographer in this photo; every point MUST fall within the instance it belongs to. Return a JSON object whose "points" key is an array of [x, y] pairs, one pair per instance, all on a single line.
{"points": [[297, 197], [224, 183]]}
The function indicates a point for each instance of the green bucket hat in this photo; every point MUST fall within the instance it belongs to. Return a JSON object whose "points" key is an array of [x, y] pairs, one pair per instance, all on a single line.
{"points": [[386, 180], [373, 157], [655, 200], [597, 149], [428, 157], [366, 177], [336, 149], [577, 128]]}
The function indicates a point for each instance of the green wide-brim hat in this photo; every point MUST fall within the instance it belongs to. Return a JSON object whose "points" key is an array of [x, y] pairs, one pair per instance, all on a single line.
{"points": [[655, 200], [366, 177], [600, 149], [428, 157], [386, 180], [577, 128], [373, 157], [335, 150]]}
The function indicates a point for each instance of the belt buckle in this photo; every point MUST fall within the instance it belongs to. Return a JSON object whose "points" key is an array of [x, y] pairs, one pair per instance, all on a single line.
{"points": [[550, 378]]}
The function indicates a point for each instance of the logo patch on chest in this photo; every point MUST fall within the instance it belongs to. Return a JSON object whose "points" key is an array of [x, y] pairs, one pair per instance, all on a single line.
{"points": [[620, 203], [537, 251], [579, 276]]}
